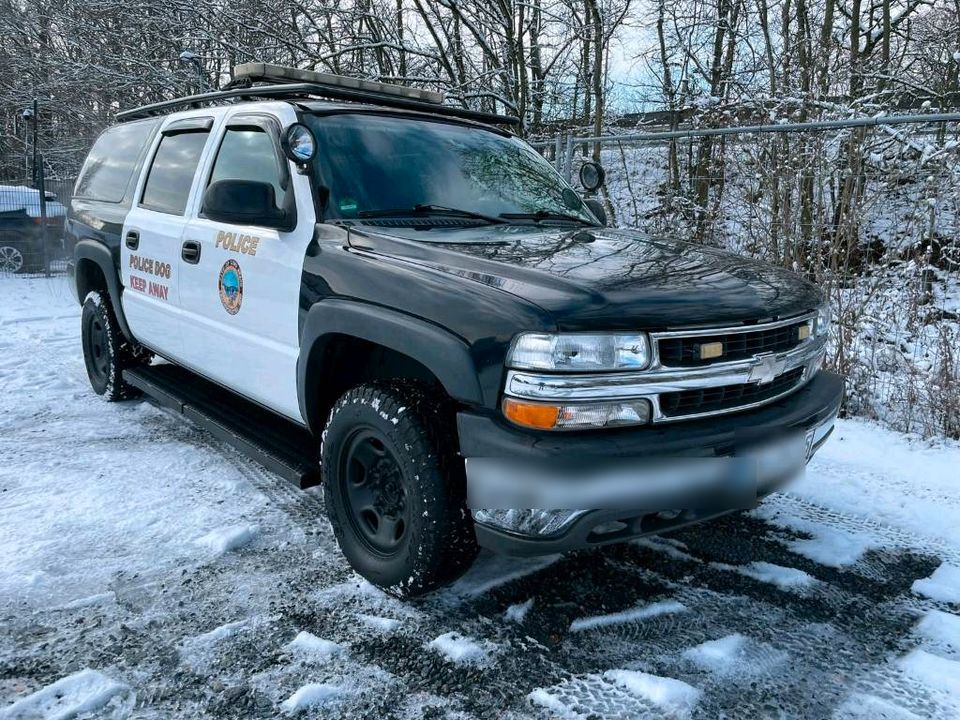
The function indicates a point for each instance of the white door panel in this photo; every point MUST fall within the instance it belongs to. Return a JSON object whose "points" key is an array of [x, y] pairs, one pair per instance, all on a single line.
{"points": [[240, 302], [151, 276]]}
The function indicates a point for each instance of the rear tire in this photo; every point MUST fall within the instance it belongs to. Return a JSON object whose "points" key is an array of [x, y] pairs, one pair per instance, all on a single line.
{"points": [[395, 489], [106, 352]]}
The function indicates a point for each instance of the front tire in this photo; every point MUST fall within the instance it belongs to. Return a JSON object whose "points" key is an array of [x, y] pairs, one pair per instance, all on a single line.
{"points": [[106, 352], [395, 489]]}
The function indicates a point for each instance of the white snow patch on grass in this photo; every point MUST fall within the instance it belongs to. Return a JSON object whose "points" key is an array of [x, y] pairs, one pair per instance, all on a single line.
{"points": [[87, 691], [310, 696], [308, 646], [518, 612], [933, 671], [718, 656], [943, 585], [643, 612], [228, 539], [783, 577], [380, 624], [460, 649], [941, 629], [669, 694]]}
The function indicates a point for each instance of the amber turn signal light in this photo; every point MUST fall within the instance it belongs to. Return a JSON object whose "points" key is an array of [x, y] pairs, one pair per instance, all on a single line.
{"points": [[534, 415]]}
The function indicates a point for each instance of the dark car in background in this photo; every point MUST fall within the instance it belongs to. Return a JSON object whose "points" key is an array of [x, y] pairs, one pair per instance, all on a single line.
{"points": [[22, 229]]}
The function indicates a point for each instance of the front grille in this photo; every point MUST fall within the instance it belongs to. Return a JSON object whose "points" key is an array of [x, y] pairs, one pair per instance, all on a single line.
{"points": [[686, 351], [725, 397]]}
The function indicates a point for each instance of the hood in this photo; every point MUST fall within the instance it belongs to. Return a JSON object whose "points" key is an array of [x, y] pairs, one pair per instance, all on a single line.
{"points": [[600, 278]]}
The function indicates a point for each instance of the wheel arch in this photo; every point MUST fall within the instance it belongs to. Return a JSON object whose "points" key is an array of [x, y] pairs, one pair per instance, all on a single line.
{"points": [[95, 270], [351, 342]]}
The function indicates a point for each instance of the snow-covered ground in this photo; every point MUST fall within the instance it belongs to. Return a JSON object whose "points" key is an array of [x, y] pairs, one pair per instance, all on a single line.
{"points": [[148, 571]]}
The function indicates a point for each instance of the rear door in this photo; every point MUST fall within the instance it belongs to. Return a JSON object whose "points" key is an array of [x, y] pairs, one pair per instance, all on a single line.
{"points": [[240, 293], [153, 231]]}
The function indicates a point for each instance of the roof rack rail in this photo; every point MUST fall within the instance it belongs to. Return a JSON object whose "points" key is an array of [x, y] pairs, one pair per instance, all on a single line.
{"points": [[291, 83]]}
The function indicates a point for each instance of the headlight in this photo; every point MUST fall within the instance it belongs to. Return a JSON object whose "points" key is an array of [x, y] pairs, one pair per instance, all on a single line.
{"points": [[579, 352], [823, 320]]}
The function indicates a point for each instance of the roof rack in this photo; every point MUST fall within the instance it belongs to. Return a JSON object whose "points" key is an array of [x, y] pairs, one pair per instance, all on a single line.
{"points": [[291, 83]]}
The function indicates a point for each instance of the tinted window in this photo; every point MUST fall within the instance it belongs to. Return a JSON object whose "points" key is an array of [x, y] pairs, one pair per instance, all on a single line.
{"points": [[373, 164], [171, 174], [248, 154], [110, 164]]}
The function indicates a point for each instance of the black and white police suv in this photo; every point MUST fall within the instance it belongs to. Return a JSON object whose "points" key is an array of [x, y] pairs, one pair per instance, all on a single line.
{"points": [[357, 284]]}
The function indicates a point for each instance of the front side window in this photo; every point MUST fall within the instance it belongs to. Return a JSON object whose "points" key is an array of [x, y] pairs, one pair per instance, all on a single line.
{"points": [[249, 153], [171, 174], [372, 164]]}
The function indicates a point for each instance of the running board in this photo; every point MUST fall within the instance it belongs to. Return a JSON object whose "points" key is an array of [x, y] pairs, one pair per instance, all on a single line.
{"points": [[280, 445]]}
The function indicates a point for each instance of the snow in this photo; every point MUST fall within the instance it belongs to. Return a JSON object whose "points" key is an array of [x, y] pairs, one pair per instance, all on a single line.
{"points": [[943, 585], [718, 655], [381, 624], [672, 695], [940, 630], [309, 696], [932, 670], [459, 649], [85, 692], [643, 612], [308, 646], [895, 479], [784, 578], [518, 611], [227, 539]]}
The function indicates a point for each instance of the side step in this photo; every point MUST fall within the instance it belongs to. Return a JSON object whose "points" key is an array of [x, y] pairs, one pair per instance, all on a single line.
{"points": [[278, 444]]}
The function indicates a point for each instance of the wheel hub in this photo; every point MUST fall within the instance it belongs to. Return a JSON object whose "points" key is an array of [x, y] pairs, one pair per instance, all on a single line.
{"points": [[11, 259], [374, 493]]}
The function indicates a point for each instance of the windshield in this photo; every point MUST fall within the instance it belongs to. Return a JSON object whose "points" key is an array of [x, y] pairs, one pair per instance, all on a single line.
{"points": [[382, 166]]}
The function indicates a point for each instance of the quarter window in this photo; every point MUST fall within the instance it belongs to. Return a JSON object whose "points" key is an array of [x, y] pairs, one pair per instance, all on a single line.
{"points": [[172, 171], [249, 153], [112, 160]]}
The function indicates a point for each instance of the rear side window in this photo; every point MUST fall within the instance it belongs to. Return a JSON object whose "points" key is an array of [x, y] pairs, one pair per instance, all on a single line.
{"points": [[112, 161], [172, 170], [248, 153]]}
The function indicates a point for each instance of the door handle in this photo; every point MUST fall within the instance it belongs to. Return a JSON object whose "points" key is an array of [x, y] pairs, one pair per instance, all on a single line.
{"points": [[133, 239], [190, 252]]}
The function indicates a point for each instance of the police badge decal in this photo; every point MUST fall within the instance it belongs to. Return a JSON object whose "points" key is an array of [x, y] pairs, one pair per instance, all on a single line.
{"points": [[231, 286]]}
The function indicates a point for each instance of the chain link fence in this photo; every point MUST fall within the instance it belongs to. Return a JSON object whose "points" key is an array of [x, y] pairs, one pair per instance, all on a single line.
{"points": [[31, 227], [869, 209]]}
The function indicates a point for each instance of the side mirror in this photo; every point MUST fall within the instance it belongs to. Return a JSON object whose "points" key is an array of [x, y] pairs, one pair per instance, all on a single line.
{"points": [[245, 202], [592, 176], [596, 207]]}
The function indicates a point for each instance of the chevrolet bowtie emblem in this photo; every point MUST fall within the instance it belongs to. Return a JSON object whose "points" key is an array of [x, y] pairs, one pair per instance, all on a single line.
{"points": [[767, 369]]}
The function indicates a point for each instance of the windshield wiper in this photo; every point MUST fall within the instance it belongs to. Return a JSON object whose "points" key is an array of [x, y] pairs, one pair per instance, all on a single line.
{"points": [[428, 210], [545, 215]]}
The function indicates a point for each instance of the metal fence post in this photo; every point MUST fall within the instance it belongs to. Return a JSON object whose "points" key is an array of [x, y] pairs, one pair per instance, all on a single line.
{"points": [[42, 188], [568, 158]]}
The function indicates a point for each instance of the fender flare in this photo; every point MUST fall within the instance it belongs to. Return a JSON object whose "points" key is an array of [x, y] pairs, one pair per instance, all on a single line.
{"points": [[444, 354], [98, 253]]}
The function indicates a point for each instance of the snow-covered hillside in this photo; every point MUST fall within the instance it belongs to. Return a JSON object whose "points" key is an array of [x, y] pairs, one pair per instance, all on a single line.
{"points": [[147, 571]]}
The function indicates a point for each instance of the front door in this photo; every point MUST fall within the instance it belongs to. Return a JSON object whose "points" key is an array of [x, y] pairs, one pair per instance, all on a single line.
{"points": [[240, 296], [152, 233]]}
